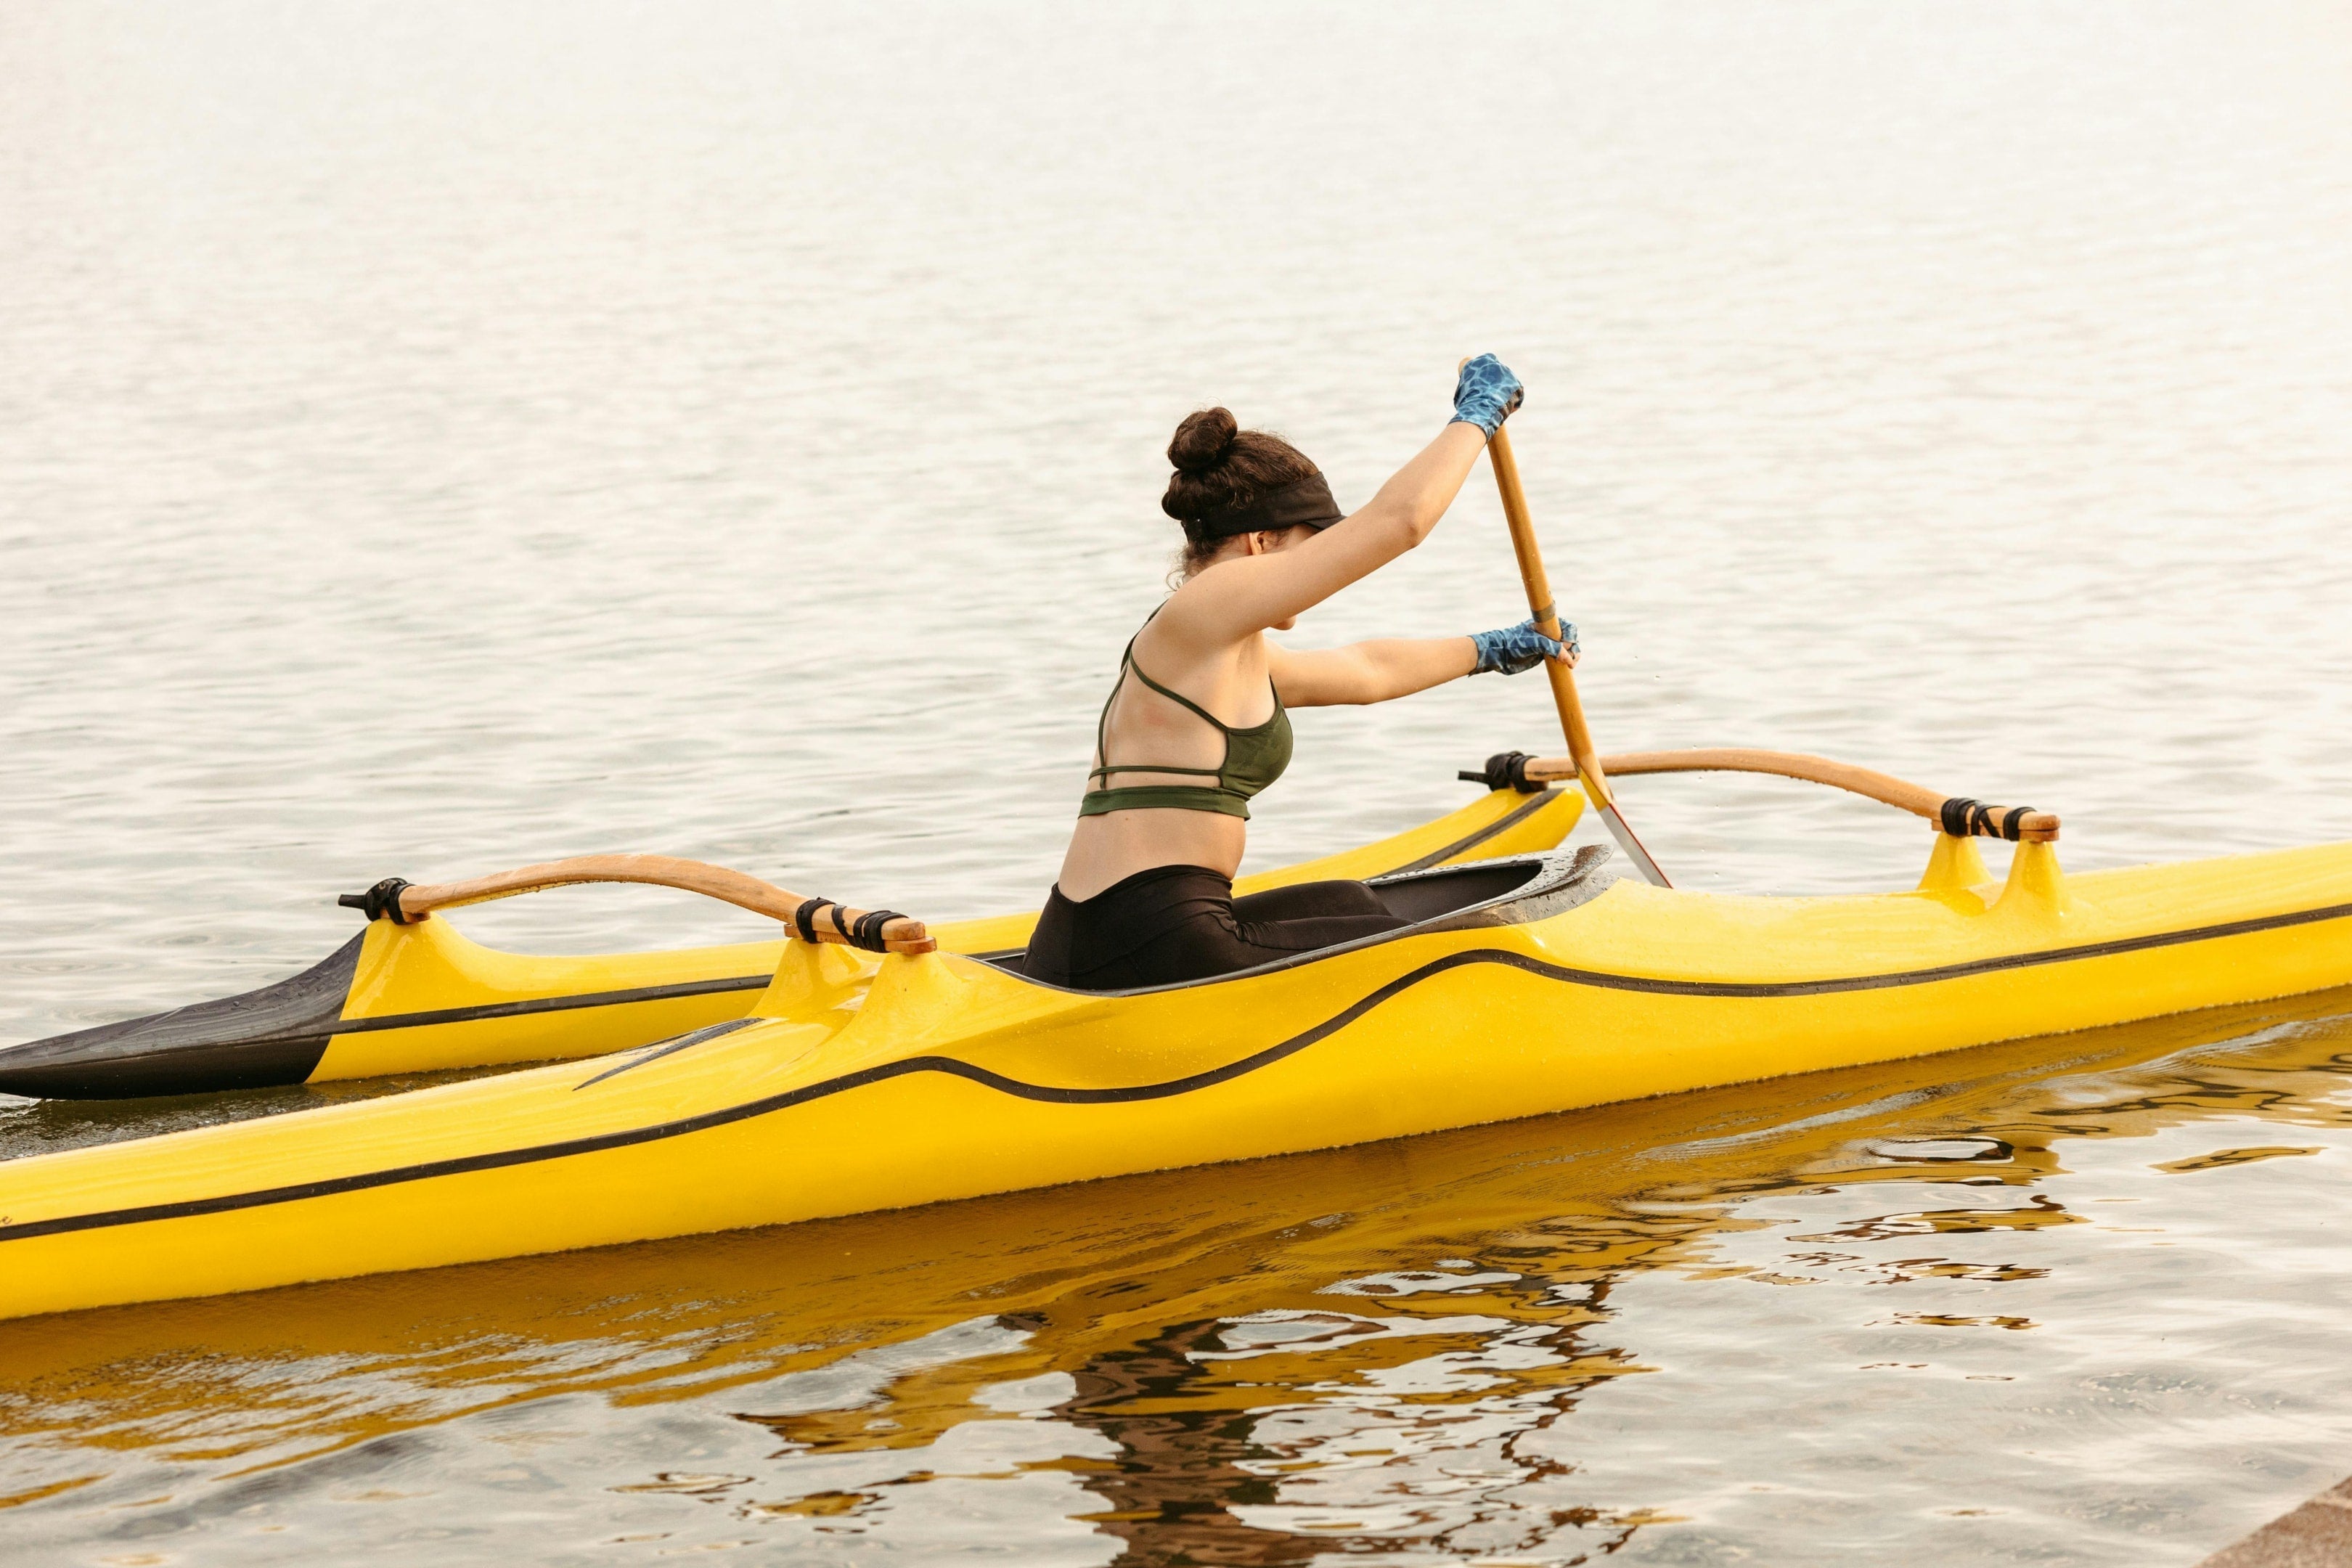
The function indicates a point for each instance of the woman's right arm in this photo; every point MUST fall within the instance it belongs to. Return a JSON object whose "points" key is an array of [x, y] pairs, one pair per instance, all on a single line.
{"points": [[1255, 592], [1251, 593]]}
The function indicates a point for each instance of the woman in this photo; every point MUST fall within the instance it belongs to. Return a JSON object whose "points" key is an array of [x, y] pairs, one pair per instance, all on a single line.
{"points": [[1197, 722]]}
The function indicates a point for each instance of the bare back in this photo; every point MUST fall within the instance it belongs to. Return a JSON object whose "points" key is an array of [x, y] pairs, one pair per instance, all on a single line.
{"points": [[1206, 647], [1140, 727]]}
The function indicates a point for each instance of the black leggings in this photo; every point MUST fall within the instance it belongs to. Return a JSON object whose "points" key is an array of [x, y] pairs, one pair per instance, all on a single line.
{"points": [[1174, 923]]}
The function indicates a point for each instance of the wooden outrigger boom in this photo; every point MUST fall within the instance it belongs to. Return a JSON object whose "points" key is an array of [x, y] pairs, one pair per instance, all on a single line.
{"points": [[810, 919], [1957, 815]]}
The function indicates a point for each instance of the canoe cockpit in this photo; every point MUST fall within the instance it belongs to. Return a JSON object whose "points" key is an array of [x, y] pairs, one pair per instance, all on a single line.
{"points": [[1508, 891]]}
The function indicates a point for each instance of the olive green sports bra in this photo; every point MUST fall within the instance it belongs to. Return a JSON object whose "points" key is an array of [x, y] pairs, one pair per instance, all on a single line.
{"points": [[1255, 758]]}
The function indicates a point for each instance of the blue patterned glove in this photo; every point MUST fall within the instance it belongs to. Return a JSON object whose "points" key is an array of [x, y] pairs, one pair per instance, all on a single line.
{"points": [[1521, 648], [1485, 394]]}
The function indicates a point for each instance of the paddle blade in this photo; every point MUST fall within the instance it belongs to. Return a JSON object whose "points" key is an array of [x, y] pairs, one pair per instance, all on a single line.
{"points": [[1619, 831]]}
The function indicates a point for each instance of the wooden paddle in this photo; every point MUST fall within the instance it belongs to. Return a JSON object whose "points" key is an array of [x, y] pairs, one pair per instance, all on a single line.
{"points": [[1563, 680]]}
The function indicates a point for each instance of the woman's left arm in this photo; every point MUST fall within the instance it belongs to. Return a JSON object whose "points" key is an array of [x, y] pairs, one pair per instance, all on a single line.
{"points": [[1368, 671], [1399, 667]]}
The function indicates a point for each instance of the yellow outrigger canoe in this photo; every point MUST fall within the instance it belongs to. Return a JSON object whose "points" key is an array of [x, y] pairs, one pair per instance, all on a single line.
{"points": [[1529, 985], [421, 997]]}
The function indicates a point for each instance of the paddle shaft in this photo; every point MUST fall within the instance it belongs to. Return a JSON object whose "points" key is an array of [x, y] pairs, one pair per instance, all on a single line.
{"points": [[1546, 612], [1541, 605]]}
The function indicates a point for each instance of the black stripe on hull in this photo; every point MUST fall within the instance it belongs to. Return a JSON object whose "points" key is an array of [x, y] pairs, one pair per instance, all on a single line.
{"points": [[1493, 829], [1193, 1083], [553, 1005], [668, 1048]]}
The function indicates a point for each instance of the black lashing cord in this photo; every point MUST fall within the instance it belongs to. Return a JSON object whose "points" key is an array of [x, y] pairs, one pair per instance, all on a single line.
{"points": [[864, 932], [1506, 769], [868, 934], [381, 903], [802, 916], [1964, 818]]}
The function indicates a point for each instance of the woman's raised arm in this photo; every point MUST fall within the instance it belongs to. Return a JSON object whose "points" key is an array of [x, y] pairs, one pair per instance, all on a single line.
{"points": [[1251, 593]]}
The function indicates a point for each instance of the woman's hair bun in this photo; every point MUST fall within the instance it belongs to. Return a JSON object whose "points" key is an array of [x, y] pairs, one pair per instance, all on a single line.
{"points": [[1220, 467], [1203, 441]]}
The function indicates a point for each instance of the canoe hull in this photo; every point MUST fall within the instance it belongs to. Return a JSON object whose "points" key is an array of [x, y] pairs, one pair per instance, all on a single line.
{"points": [[943, 1077]]}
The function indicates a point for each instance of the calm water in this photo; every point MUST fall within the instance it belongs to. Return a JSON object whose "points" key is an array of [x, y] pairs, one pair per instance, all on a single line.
{"points": [[438, 439]]}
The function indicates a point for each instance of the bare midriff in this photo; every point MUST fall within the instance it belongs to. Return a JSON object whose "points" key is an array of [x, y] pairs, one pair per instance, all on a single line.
{"points": [[1111, 848]]}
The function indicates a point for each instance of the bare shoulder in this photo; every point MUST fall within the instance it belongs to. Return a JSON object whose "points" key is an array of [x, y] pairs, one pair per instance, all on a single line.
{"points": [[1194, 638], [1217, 608]]}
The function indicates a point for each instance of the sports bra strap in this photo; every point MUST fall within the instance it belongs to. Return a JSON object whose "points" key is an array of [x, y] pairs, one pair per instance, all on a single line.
{"points": [[1141, 674], [1155, 768], [1254, 757]]}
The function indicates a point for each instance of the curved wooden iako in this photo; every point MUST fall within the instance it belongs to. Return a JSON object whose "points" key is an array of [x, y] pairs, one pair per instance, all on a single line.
{"points": [[1982, 821], [829, 922]]}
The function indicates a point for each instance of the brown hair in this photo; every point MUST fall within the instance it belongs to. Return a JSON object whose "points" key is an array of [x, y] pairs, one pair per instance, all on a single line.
{"points": [[1219, 467]]}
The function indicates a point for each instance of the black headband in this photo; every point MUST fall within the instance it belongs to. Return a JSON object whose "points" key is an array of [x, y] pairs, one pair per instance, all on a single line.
{"points": [[1303, 502]]}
